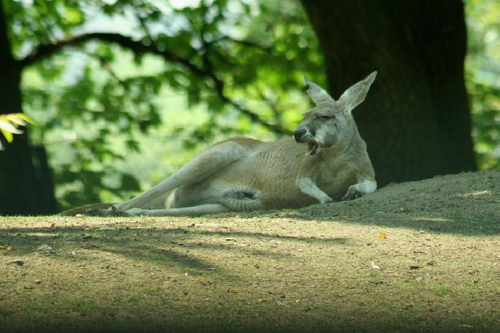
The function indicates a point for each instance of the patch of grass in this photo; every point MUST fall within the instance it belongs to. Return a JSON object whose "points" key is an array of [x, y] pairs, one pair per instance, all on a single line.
{"points": [[83, 305], [443, 291], [36, 306]]}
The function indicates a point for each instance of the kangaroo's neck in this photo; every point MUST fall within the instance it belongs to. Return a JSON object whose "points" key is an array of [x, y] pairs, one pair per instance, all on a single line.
{"points": [[355, 141], [346, 146]]}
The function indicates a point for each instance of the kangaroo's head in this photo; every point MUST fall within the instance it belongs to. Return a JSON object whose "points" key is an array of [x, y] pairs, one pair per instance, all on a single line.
{"points": [[330, 123]]}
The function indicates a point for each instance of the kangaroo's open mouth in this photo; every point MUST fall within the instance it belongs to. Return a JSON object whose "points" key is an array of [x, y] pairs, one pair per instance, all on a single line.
{"points": [[312, 147]]}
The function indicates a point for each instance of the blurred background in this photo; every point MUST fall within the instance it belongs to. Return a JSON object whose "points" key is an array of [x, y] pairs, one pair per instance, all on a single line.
{"points": [[122, 93]]}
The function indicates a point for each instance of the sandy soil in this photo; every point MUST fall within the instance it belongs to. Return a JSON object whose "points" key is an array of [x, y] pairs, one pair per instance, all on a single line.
{"points": [[418, 256]]}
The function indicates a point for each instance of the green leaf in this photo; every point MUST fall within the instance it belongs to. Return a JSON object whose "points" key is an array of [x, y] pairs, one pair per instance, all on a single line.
{"points": [[72, 15], [6, 125], [8, 135]]}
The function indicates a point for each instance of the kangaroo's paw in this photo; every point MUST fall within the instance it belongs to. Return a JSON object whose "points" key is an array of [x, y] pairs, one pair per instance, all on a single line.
{"points": [[112, 211], [326, 200], [352, 194]]}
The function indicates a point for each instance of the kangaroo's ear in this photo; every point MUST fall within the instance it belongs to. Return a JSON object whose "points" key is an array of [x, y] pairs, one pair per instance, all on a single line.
{"points": [[318, 94], [353, 96]]}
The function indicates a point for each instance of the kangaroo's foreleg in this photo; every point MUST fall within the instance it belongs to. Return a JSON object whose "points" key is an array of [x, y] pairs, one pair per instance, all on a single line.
{"points": [[364, 186], [201, 167], [307, 186]]}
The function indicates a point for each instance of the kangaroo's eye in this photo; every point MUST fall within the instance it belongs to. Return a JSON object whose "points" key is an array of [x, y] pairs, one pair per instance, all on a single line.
{"points": [[325, 117]]}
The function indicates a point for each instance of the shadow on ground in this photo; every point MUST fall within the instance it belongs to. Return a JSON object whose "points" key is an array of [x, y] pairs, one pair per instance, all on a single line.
{"points": [[320, 268]]}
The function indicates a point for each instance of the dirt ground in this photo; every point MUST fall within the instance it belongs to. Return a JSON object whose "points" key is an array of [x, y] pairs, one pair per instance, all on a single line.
{"points": [[417, 256]]}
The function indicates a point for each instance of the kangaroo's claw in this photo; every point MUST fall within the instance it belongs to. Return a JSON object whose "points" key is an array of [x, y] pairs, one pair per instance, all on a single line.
{"points": [[351, 195]]}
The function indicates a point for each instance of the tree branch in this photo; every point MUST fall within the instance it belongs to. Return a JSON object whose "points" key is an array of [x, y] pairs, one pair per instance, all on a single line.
{"points": [[247, 43], [46, 50]]}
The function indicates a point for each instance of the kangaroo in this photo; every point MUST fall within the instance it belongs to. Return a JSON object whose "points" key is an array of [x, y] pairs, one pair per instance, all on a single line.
{"points": [[326, 160]]}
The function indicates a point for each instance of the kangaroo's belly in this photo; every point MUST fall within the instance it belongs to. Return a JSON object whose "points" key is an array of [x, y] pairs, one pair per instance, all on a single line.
{"points": [[239, 197], [256, 193], [261, 181]]}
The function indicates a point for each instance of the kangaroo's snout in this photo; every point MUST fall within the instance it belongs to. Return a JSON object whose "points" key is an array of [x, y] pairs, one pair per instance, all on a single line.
{"points": [[299, 134]]}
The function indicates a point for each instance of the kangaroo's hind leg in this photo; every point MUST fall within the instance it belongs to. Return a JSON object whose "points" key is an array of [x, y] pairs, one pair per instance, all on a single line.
{"points": [[199, 168], [184, 211]]}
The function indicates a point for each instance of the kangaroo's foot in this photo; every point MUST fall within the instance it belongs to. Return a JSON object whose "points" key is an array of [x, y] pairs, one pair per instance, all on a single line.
{"points": [[358, 190], [111, 211], [352, 194]]}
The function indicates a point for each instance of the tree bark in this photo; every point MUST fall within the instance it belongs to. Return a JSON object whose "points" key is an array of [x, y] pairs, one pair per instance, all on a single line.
{"points": [[416, 119], [21, 188]]}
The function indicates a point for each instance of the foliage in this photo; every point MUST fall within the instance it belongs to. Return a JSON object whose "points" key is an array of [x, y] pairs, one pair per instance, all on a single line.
{"points": [[234, 64], [10, 124], [486, 115], [483, 84], [239, 61]]}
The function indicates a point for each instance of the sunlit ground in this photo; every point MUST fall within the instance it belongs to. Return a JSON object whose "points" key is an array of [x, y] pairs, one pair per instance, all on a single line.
{"points": [[408, 257]]}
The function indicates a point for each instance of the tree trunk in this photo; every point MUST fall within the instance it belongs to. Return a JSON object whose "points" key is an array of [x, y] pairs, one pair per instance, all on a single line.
{"points": [[416, 119], [21, 188]]}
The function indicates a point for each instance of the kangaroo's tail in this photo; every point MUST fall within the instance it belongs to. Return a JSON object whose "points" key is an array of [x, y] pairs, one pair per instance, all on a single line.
{"points": [[83, 209]]}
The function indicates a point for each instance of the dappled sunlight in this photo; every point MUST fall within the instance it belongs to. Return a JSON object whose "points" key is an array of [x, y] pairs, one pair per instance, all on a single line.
{"points": [[176, 245], [41, 235], [474, 194], [432, 219], [123, 93], [269, 264]]}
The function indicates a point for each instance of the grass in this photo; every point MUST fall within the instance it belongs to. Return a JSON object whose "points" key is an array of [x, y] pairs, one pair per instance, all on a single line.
{"points": [[295, 270]]}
